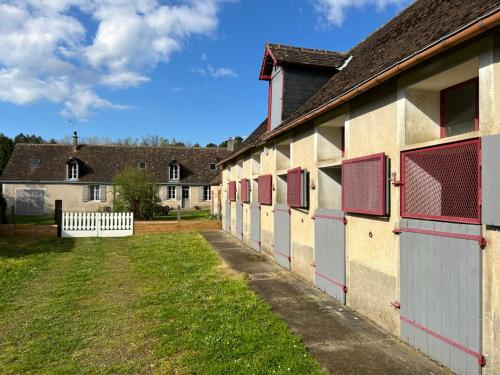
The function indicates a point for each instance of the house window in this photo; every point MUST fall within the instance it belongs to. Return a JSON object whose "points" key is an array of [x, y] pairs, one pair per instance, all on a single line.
{"points": [[207, 193], [174, 171], [212, 166], [72, 170], [460, 108], [142, 165], [170, 192], [34, 163], [185, 192], [94, 193]]}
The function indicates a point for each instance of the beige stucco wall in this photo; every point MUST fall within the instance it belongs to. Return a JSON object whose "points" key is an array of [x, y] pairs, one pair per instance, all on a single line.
{"points": [[70, 194], [400, 114], [72, 197]]}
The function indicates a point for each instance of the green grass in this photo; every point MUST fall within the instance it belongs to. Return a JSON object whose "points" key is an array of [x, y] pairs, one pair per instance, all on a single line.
{"points": [[159, 304], [39, 220], [186, 215]]}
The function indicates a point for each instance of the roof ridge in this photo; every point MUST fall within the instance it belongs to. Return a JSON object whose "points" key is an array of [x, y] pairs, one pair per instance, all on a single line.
{"points": [[305, 48], [122, 146]]}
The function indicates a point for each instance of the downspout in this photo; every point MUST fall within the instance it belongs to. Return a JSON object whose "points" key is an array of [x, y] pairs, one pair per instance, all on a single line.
{"points": [[468, 32]]}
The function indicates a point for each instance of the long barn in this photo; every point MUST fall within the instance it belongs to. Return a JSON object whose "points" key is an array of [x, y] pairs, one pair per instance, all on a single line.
{"points": [[376, 176]]}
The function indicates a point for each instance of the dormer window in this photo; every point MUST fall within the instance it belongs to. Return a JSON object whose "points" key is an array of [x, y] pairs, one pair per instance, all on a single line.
{"points": [[174, 171], [34, 163], [72, 170], [142, 165], [212, 166]]}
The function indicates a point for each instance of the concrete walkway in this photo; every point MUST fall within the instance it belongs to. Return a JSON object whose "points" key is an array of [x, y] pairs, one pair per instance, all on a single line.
{"points": [[342, 341]]}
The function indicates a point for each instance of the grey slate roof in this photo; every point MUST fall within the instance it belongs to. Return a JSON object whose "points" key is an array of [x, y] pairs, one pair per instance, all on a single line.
{"points": [[100, 163]]}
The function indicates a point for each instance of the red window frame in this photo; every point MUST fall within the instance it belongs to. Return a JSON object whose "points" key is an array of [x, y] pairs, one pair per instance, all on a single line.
{"points": [[454, 219], [293, 189], [265, 189], [442, 104], [232, 190], [381, 210]]}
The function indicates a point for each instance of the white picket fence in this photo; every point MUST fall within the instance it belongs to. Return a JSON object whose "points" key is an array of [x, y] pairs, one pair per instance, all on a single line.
{"points": [[92, 224]]}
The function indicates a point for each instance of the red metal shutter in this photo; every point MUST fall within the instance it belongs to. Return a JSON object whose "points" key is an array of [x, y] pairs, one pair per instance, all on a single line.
{"points": [[293, 190], [364, 185], [232, 191], [265, 189], [244, 190], [442, 182]]}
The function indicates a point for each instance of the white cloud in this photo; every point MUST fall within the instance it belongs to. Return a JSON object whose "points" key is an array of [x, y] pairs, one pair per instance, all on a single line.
{"points": [[215, 72], [221, 72], [47, 53], [333, 11], [204, 57]]}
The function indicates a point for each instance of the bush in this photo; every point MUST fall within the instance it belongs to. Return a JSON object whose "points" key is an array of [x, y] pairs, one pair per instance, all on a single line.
{"points": [[135, 192]]}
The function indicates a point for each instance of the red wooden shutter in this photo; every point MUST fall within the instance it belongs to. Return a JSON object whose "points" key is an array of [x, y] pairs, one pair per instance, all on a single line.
{"points": [[293, 191], [364, 185], [442, 182], [265, 189], [232, 190], [244, 190]]}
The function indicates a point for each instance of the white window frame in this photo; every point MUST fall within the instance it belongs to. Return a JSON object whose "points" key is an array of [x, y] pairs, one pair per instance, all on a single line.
{"points": [[186, 189], [94, 193], [207, 193], [174, 172], [72, 170], [171, 192]]}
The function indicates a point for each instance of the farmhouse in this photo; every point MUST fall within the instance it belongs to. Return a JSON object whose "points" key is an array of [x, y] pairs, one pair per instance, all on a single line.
{"points": [[375, 177], [81, 175]]}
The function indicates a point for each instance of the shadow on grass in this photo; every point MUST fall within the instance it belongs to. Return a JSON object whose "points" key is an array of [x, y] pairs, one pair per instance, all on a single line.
{"points": [[21, 247]]}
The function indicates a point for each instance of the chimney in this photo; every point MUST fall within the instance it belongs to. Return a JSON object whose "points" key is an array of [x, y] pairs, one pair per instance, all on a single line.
{"points": [[230, 144], [75, 141]]}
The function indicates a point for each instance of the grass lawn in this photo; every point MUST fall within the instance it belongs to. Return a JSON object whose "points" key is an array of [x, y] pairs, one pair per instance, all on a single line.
{"points": [[162, 304], [48, 219], [186, 215]]}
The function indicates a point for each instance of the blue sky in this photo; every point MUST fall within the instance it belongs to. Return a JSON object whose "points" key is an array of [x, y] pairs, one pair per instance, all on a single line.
{"points": [[199, 85]]}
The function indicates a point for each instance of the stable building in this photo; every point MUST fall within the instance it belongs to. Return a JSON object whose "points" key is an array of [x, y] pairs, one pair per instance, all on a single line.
{"points": [[376, 177]]}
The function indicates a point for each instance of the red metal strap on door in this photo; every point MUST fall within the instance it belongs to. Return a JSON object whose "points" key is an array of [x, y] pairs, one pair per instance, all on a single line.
{"points": [[282, 210], [283, 255], [480, 358], [480, 239], [254, 240], [339, 284], [333, 217]]}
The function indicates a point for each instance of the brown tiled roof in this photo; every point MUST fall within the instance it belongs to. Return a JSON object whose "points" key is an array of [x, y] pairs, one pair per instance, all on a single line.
{"points": [[419, 25], [306, 56], [100, 163], [249, 141]]}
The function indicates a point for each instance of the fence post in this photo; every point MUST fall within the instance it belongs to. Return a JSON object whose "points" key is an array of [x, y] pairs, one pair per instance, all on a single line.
{"points": [[13, 219], [58, 216], [178, 218], [98, 223]]}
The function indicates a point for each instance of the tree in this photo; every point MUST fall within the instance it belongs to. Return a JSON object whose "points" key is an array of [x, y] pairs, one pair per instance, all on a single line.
{"points": [[134, 186], [212, 145], [6, 148]]}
